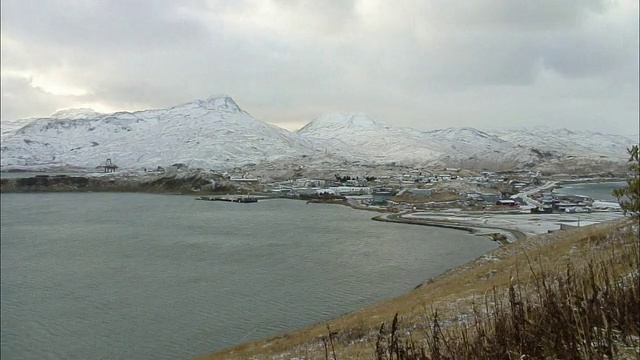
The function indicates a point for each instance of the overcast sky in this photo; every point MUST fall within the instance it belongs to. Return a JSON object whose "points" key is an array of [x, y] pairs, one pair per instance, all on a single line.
{"points": [[426, 64]]}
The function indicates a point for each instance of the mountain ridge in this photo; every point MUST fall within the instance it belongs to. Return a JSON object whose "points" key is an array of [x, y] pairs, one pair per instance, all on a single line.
{"points": [[217, 133]]}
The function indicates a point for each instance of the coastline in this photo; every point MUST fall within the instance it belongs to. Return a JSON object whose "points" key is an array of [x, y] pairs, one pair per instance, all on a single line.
{"points": [[591, 180], [502, 236], [560, 183]]}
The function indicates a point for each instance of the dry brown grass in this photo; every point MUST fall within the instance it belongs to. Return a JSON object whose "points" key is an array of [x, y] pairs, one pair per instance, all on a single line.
{"points": [[587, 311], [457, 295]]}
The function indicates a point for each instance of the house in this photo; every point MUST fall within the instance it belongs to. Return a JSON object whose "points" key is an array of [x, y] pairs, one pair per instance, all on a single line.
{"points": [[511, 203]]}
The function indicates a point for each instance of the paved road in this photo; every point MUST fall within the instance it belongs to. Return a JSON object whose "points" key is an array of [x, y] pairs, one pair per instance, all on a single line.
{"points": [[529, 201], [511, 235], [525, 223]]}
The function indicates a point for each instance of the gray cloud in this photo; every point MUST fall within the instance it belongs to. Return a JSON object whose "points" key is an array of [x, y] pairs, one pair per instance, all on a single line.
{"points": [[514, 15], [20, 99], [426, 64]]}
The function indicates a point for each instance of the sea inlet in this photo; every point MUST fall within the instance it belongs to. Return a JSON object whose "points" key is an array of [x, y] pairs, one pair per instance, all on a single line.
{"points": [[140, 276]]}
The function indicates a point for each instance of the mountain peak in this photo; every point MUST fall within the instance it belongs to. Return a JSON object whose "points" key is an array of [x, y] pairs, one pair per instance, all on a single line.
{"points": [[78, 113], [455, 132], [342, 121], [221, 102]]}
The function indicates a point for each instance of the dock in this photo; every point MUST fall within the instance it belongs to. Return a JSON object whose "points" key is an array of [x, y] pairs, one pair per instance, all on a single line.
{"points": [[237, 199]]}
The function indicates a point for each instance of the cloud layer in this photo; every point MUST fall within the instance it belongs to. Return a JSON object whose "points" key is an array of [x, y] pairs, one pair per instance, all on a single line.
{"points": [[424, 64]]}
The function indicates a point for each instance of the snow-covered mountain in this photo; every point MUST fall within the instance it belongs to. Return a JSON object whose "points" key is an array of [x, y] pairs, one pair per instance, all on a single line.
{"points": [[213, 133], [464, 147], [216, 134], [567, 142], [372, 140]]}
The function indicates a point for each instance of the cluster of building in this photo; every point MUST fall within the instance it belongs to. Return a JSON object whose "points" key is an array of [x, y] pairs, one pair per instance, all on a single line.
{"points": [[563, 203], [417, 188], [486, 189]]}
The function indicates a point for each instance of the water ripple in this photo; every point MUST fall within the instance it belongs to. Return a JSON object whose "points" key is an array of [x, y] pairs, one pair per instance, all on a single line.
{"points": [[145, 276]]}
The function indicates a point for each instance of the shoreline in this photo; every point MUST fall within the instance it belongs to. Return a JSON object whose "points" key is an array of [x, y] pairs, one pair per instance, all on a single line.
{"points": [[590, 180], [502, 236], [560, 183]]}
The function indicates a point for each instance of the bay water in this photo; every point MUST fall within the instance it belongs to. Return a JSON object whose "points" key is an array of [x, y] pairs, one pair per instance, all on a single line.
{"points": [[596, 190], [140, 276]]}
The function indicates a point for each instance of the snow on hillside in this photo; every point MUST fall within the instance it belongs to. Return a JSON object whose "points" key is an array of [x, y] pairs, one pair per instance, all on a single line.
{"points": [[9, 126], [574, 143], [212, 133], [369, 139], [465, 147], [382, 143], [215, 133], [471, 148]]}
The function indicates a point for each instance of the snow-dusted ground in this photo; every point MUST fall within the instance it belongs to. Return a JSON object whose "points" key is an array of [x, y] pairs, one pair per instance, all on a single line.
{"points": [[529, 224], [216, 134], [525, 222]]}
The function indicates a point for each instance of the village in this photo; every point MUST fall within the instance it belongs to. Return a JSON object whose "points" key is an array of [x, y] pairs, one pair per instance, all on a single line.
{"points": [[506, 206], [398, 189], [451, 188]]}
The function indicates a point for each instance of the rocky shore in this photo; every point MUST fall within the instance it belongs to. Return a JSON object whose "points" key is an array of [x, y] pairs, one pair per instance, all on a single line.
{"points": [[181, 183]]}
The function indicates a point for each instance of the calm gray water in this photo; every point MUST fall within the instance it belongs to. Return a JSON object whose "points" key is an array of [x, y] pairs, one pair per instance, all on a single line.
{"points": [[137, 276], [597, 191]]}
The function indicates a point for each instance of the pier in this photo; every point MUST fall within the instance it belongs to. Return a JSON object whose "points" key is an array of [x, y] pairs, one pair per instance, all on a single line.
{"points": [[237, 199]]}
